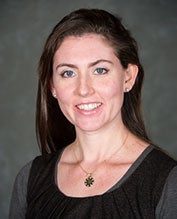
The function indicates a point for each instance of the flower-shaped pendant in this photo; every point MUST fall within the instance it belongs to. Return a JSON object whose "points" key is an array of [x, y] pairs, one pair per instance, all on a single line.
{"points": [[89, 181]]}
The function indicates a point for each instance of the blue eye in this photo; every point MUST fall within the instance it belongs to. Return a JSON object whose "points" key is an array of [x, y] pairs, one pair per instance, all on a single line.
{"points": [[68, 74], [101, 71]]}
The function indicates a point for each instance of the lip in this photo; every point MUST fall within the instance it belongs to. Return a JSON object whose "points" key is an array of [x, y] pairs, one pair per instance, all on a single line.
{"points": [[88, 108]]}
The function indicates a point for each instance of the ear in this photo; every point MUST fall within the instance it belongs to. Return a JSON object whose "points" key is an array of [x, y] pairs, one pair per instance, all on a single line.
{"points": [[130, 76], [52, 89]]}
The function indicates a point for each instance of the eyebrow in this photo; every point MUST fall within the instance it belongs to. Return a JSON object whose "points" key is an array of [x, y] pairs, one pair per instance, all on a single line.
{"points": [[90, 65], [65, 65], [98, 61]]}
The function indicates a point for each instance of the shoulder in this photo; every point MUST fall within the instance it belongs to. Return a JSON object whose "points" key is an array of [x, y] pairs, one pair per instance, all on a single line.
{"points": [[42, 162], [167, 207], [172, 180], [24, 171], [22, 178], [154, 171], [42, 169], [159, 159], [18, 199], [158, 164]]}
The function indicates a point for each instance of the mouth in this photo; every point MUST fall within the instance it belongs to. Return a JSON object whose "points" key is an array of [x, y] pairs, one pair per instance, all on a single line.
{"points": [[88, 107]]}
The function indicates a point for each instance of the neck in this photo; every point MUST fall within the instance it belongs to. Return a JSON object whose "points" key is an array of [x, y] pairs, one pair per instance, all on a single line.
{"points": [[99, 145]]}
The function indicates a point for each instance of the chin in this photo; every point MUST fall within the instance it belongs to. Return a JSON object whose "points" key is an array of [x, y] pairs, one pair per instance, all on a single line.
{"points": [[91, 127]]}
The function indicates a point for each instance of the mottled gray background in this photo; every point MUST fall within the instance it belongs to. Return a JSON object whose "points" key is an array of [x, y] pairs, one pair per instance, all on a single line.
{"points": [[24, 26]]}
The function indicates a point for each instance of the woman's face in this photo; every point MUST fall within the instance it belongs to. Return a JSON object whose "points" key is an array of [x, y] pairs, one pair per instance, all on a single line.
{"points": [[89, 82]]}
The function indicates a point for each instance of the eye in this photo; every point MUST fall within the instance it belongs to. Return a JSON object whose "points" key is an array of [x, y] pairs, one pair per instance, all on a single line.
{"points": [[68, 74], [101, 71]]}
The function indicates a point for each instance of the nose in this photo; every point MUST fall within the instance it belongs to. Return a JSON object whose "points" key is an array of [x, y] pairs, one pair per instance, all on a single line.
{"points": [[84, 86]]}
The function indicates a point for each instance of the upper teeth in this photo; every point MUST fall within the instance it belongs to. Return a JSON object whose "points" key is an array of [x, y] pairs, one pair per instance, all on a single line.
{"points": [[89, 106]]}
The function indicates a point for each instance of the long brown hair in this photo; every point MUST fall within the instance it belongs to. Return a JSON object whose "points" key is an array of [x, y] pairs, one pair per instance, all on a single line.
{"points": [[53, 130]]}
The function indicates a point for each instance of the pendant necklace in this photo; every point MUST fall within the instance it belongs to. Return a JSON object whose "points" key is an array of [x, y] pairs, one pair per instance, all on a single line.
{"points": [[89, 180]]}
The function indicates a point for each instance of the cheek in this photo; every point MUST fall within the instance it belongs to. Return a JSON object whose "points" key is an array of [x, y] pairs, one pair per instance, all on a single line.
{"points": [[112, 89], [63, 101], [62, 92], [62, 97]]}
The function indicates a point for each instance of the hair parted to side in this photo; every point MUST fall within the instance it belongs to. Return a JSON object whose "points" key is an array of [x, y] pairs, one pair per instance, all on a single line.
{"points": [[53, 130]]}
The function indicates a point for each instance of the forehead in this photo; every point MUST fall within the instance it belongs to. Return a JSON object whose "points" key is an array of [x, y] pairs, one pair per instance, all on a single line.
{"points": [[85, 45]]}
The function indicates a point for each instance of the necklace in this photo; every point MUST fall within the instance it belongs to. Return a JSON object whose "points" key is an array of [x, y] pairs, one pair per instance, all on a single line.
{"points": [[89, 180]]}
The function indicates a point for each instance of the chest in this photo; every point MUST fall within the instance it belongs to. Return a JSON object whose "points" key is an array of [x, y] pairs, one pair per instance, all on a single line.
{"points": [[136, 197], [76, 182]]}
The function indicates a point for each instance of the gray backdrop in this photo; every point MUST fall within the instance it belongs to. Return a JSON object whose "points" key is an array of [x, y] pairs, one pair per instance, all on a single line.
{"points": [[24, 26]]}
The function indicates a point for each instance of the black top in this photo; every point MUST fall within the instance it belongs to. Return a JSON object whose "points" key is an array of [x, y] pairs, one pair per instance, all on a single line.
{"points": [[137, 195]]}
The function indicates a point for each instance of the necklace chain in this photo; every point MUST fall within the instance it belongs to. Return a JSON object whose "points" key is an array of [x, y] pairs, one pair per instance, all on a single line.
{"points": [[90, 180]]}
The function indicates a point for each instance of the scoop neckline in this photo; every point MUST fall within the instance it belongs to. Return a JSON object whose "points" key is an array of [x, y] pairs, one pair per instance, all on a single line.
{"points": [[117, 185]]}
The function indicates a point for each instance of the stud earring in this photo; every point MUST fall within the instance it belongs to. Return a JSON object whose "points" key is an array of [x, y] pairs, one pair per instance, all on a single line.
{"points": [[126, 89], [54, 95]]}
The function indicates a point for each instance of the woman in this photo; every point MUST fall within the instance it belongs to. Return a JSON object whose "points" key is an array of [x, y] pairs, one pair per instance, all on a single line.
{"points": [[98, 161]]}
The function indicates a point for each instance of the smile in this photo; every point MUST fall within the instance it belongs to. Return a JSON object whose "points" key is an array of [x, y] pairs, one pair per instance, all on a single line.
{"points": [[89, 106]]}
